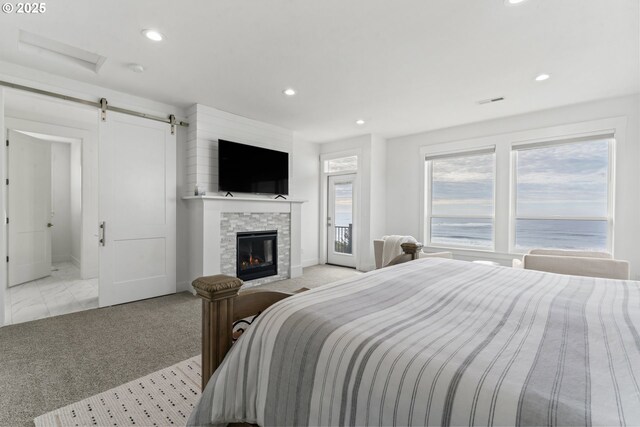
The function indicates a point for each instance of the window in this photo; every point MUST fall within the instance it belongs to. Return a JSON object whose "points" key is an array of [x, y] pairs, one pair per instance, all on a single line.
{"points": [[460, 199], [562, 195], [342, 164]]}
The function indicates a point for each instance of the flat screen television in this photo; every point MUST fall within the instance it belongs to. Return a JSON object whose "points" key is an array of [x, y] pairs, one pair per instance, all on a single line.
{"points": [[247, 169]]}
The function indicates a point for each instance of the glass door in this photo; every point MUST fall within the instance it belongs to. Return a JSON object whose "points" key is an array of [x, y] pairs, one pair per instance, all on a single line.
{"points": [[340, 221]]}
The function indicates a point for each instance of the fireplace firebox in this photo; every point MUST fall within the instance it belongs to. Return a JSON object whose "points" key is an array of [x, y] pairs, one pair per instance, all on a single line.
{"points": [[257, 254]]}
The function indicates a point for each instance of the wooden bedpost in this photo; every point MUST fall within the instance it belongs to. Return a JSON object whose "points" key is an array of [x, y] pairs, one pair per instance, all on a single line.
{"points": [[412, 249], [218, 294]]}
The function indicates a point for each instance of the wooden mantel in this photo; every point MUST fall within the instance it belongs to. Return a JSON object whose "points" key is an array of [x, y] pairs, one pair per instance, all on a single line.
{"points": [[244, 199]]}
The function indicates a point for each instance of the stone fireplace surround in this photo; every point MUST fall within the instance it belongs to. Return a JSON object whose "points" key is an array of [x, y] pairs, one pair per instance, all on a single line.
{"points": [[232, 223], [214, 222]]}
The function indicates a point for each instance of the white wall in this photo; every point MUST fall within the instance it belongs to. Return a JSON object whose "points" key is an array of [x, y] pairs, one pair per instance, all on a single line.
{"points": [[182, 213], [305, 185], [75, 178], [403, 166], [378, 186], [61, 201]]}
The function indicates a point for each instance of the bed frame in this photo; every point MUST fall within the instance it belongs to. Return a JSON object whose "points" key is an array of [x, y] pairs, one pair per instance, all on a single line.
{"points": [[225, 307]]}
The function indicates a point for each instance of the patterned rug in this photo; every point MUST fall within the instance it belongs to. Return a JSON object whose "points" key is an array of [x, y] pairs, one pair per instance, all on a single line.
{"points": [[165, 397]]}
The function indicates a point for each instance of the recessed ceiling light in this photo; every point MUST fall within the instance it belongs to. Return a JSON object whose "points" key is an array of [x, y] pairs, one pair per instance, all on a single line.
{"points": [[289, 92], [542, 77], [136, 68], [359, 122], [154, 35], [512, 2]]}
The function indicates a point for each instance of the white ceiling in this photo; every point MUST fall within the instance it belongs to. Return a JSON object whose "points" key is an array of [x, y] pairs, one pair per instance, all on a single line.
{"points": [[402, 65]]}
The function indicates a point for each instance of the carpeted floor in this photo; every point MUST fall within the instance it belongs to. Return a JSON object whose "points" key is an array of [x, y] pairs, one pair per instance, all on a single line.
{"points": [[50, 363], [162, 398]]}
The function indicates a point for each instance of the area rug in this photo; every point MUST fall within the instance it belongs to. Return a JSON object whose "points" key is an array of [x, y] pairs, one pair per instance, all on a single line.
{"points": [[165, 397]]}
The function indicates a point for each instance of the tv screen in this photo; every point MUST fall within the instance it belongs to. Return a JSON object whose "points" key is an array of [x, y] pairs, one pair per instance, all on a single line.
{"points": [[247, 169]]}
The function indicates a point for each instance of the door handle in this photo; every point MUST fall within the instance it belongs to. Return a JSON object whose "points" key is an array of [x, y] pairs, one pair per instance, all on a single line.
{"points": [[103, 233], [49, 225]]}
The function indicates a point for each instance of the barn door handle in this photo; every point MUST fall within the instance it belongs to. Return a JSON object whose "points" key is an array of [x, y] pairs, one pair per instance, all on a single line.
{"points": [[103, 233]]}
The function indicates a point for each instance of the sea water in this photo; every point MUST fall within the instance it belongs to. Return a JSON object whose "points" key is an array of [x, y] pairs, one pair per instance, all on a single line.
{"points": [[548, 233]]}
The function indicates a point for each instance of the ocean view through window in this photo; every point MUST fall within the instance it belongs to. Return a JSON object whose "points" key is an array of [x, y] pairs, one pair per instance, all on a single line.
{"points": [[516, 196], [562, 195], [461, 199]]}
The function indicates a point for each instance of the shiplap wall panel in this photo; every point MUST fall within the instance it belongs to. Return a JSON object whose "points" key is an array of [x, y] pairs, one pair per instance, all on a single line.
{"points": [[207, 125]]}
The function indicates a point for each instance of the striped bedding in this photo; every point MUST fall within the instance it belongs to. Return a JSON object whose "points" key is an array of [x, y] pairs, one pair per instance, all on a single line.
{"points": [[438, 342]]}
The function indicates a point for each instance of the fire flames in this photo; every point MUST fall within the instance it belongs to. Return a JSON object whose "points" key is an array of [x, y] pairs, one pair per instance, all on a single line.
{"points": [[252, 262]]}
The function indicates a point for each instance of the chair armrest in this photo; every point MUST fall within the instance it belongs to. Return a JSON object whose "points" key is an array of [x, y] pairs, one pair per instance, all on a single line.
{"points": [[411, 251], [378, 245]]}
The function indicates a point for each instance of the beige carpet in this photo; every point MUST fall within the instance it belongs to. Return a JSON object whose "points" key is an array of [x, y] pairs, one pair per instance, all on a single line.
{"points": [[165, 397]]}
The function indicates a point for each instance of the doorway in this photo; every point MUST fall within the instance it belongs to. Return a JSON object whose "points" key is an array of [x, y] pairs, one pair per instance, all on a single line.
{"points": [[44, 228], [341, 248]]}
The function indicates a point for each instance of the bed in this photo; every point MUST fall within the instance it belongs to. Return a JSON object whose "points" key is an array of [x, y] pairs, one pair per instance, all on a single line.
{"points": [[436, 342]]}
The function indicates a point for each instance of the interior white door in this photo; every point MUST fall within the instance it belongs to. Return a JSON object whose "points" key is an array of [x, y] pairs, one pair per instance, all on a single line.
{"points": [[340, 221], [29, 208], [137, 209]]}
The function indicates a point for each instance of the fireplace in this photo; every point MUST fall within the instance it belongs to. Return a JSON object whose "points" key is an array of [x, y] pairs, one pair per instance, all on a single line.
{"points": [[257, 254]]}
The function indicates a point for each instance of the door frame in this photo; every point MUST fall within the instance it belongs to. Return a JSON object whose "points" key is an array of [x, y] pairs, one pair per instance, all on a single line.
{"points": [[89, 167], [324, 199]]}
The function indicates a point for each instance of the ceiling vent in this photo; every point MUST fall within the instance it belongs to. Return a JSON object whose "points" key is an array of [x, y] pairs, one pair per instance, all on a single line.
{"points": [[33, 43], [489, 101]]}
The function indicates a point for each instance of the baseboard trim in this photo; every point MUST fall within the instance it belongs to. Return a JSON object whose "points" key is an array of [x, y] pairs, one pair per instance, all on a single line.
{"points": [[184, 286], [310, 262]]}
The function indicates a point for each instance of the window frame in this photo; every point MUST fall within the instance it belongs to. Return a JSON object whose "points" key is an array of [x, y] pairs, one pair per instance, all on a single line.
{"points": [[513, 196], [503, 135], [326, 160], [428, 158]]}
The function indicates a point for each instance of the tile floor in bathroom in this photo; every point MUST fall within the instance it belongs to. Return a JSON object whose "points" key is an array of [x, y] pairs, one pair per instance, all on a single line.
{"points": [[61, 293]]}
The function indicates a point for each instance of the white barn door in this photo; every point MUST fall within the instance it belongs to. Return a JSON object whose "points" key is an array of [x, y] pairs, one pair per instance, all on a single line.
{"points": [[137, 209]]}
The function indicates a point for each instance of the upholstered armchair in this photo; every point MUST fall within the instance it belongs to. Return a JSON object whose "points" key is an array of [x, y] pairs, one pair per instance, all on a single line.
{"points": [[382, 261]]}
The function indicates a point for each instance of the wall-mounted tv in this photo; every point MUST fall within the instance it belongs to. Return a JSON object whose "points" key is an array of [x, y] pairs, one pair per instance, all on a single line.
{"points": [[247, 169]]}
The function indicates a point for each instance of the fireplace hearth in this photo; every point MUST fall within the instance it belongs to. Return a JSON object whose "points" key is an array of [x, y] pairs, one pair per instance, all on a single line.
{"points": [[257, 254]]}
